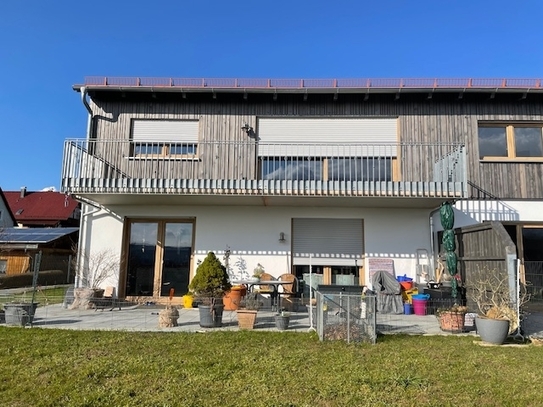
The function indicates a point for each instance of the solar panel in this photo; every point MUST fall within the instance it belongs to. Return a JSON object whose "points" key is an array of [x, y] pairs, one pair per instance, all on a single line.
{"points": [[35, 235]]}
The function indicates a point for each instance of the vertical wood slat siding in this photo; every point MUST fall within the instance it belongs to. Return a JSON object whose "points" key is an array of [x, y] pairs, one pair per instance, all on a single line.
{"points": [[425, 122], [483, 247], [16, 263]]}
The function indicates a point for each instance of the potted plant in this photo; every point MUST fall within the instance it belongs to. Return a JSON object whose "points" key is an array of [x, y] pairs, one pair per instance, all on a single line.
{"points": [[19, 313], [168, 317], [282, 320], [93, 270], [248, 311], [497, 303], [257, 272], [21, 310], [209, 285], [452, 319], [232, 297]]}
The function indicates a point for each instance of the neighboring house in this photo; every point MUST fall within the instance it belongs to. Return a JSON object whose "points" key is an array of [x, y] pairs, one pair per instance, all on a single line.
{"points": [[19, 248], [43, 208], [343, 177], [46, 222], [7, 219]]}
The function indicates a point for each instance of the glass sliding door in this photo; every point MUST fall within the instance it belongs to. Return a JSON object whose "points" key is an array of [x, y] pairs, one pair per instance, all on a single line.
{"points": [[159, 258], [176, 259], [141, 259]]}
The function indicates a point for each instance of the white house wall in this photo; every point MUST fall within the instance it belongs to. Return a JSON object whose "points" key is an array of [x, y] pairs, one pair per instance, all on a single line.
{"points": [[252, 233], [100, 235], [472, 212]]}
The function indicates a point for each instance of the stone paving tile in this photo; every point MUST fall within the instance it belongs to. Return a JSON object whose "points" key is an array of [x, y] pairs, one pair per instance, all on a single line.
{"points": [[145, 318]]}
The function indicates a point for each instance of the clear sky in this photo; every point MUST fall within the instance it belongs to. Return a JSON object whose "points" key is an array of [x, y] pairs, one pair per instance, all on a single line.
{"points": [[48, 46]]}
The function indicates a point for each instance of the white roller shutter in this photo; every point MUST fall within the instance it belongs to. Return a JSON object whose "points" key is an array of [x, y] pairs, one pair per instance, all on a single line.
{"points": [[329, 242], [310, 137], [165, 130]]}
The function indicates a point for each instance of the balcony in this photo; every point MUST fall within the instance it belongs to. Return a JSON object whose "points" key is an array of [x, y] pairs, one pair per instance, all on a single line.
{"points": [[249, 168]]}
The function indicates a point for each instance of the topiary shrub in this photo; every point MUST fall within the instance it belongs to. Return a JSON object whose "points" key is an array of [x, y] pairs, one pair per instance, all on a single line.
{"points": [[211, 279]]}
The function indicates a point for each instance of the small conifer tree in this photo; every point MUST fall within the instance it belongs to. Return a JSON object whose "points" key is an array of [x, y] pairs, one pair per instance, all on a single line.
{"points": [[211, 279]]}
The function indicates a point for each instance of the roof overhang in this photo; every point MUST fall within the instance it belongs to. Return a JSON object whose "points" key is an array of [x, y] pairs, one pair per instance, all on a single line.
{"points": [[310, 86]]}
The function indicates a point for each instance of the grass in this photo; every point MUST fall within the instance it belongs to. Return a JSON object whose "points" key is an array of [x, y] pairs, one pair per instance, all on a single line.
{"points": [[47, 367], [45, 296]]}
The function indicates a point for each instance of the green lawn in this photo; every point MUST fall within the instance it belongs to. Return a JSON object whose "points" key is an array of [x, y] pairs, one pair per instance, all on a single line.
{"points": [[46, 367], [45, 296]]}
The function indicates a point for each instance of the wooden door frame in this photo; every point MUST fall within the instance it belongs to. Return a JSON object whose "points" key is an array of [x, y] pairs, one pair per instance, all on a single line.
{"points": [[157, 273]]}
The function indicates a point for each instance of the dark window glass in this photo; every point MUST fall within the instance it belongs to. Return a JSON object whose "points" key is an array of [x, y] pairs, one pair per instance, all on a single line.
{"points": [[148, 148], [528, 142], [492, 142], [533, 244], [292, 169], [183, 149], [360, 169]]}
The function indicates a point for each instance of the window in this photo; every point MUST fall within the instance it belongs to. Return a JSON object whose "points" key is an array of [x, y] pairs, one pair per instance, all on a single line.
{"points": [[165, 138], [327, 169], [522, 142], [327, 149], [3, 266], [164, 149]]}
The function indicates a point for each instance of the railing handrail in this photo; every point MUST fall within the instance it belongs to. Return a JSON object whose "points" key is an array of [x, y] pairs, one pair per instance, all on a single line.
{"points": [[251, 142], [334, 83]]}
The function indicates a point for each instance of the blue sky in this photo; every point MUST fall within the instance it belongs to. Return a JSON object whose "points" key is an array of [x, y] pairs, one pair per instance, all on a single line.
{"points": [[47, 46]]}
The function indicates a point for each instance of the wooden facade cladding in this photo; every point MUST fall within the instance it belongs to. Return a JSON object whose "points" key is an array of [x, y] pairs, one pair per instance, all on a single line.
{"points": [[442, 119], [484, 247]]}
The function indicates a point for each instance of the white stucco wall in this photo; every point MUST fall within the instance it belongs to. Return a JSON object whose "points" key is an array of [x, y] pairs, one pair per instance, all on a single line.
{"points": [[471, 212], [252, 233]]}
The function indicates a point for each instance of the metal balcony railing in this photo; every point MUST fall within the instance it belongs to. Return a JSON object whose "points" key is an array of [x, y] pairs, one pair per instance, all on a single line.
{"points": [[256, 168], [346, 83]]}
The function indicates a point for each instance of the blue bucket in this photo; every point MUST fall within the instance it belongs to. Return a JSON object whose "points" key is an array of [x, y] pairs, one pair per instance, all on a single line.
{"points": [[407, 308], [421, 296]]}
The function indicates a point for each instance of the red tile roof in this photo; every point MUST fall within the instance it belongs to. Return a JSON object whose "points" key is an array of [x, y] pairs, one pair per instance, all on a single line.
{"points": [[41, 208]]}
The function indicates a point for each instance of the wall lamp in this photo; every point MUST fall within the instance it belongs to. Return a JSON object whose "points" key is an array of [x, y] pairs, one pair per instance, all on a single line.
{"points": [[246, 128], [282, 238]]}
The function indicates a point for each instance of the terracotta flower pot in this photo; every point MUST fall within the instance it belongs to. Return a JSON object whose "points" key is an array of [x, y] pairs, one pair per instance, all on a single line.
{"points": [[232, 299]]}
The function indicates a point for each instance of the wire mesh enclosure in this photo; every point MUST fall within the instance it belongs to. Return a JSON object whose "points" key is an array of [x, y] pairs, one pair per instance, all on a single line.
{"points": [[348, 317]]}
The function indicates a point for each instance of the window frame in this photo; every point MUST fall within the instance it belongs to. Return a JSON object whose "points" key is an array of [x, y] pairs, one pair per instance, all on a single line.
{"points": [[164, 151], [510, 141], [164, 145]]}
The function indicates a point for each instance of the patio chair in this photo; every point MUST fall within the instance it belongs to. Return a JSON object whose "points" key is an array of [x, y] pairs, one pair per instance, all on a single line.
{"points": [[271, 290], [289, 290], [108, 300]]}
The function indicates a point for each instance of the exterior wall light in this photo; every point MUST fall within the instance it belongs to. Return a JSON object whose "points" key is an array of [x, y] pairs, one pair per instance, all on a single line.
{"points": [[246, 128], [282, 237]]}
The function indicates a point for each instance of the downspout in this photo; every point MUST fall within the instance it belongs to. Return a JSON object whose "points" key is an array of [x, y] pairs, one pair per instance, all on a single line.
{"points": [[87, 106]]}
